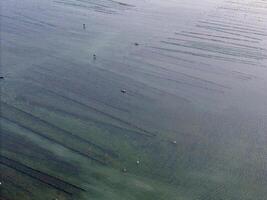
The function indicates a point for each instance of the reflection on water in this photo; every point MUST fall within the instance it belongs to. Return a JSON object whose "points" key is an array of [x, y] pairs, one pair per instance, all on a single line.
{"points": [[172, 105]]}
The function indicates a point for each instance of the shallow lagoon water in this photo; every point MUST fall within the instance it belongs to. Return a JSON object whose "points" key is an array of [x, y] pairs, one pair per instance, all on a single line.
{"points": [[197, 77]]}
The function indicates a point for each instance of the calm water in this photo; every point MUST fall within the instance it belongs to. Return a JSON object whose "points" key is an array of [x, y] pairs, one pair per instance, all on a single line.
{"points": [[194, 111]]}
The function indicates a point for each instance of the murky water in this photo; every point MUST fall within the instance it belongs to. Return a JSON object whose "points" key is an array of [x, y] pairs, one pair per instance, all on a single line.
{"points": [[179, 86]]}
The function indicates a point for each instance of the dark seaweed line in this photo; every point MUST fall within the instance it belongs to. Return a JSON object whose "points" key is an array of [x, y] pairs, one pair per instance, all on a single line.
{"points": [[231, 26], [36, 20], [230, 52], [55, 141], [183, 66], [81, 5], [38, 175], [23, 21], [228, 32], [8, 179], [86, 118], [92, 3], [163, 92], [219, 36], [232, 29], [145, 132], [182, 82], [90, 98], [144, 84], [13, 141], [246, 4], [262, 13], [233, 23], [96, 8], [213, 40], [67, 133], [230, 18], [102, 5], [121, 3], [189, 76], [204, 55], [155, 74]]}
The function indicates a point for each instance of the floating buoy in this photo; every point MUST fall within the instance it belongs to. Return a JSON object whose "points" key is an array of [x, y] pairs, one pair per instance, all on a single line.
{"points": [[137, 162], [83, 26], [123, 91], [124, 170], [136, 44], [1, 77], [174, 142], [94, 56]]}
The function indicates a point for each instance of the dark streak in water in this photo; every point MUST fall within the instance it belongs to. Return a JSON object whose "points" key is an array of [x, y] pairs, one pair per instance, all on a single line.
{"points": [[219, 36], [43, 177], [53, 140], [235, 27], [192, 77], [205, 55], [220, 49], [79, 116], [67, 133], [229, 31], [105, 6], [215, 40]]}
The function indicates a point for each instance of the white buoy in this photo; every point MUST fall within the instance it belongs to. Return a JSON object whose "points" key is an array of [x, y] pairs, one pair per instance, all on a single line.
{"points": [[174, 142], [137, 162]]}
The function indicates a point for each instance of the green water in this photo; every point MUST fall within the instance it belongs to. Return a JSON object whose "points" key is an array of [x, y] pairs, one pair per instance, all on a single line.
{"points": [[191, 121]]}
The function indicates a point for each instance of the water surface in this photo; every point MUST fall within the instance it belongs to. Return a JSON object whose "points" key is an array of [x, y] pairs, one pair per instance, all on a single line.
{"points": [[190, 124]]}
